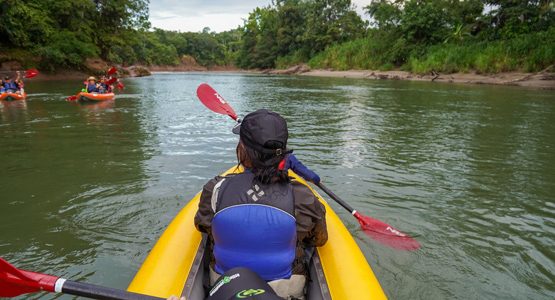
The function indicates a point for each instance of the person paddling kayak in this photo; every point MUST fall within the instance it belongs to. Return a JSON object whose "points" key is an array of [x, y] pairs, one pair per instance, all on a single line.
{"points": [[10, 86], [91, 86], [260, 219]]}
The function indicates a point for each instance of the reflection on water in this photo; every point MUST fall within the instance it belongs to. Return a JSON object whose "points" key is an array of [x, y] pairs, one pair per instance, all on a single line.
{"points": [[469, 170], [13, 111], [70, 184]]}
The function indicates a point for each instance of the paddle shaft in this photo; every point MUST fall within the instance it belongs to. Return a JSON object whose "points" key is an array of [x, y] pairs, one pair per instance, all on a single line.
{"points": [[28, 73], [101, 292], [336, 198]]}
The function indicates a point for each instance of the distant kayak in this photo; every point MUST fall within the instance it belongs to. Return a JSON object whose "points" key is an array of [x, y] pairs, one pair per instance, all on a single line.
{"points": [[95, 96], [12, 96]]}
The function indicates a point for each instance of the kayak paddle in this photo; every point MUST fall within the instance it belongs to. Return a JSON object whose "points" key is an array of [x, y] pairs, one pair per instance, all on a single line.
{"points": [[112, 70], [216, 103], [374, 228], [111, 80], [28, 73], [31, 73], [72, 98], [15, 282]]}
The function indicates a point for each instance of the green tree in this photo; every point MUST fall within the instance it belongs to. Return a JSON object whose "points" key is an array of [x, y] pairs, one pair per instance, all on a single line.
{"points": [[386, 15], [296, 28], [291, 25], [509, 18], [259, 48], [245, 57], [329, 22], [23, 24]]}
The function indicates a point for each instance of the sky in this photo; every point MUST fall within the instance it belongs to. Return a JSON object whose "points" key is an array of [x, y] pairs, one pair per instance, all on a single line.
{"points": [[219, 15]]}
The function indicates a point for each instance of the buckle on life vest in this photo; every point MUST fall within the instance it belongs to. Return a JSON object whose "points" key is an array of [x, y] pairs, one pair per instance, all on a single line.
{"points": [[281, 165]]}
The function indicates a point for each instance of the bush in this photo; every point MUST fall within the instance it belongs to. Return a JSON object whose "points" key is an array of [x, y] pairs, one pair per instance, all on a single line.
{"points": [[528, 52], [296, 58], [66, 49]]}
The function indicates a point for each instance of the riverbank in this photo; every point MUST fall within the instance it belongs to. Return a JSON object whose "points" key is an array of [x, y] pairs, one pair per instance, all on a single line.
{"points": [[539, 80], [194, 68], [544, 79]]}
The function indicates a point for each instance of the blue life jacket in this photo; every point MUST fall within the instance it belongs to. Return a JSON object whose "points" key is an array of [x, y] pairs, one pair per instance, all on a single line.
{"points": [[91, 88], [11, 86], [103, 88], [254, 226]]}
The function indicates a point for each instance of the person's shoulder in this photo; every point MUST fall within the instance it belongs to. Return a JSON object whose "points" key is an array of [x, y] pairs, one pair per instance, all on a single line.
{"points": [[214, 181], [302, 193]]}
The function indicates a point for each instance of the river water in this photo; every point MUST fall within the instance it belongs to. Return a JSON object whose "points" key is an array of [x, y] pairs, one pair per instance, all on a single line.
{"points": [[86, 190]]}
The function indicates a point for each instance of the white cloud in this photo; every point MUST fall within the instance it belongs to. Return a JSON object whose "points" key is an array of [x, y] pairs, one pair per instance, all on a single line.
{"points": [[219, 15], [196, 14], [360, 4]]}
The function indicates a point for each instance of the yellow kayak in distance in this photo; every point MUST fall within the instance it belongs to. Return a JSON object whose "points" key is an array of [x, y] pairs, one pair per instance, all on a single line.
{"points": [[175, 265]]}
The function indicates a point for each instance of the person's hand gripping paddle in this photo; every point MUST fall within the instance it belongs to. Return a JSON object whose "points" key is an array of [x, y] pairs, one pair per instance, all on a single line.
{"points": [[374, 228]]}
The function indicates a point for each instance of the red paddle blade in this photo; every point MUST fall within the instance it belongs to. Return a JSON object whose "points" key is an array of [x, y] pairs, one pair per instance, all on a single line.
{"points": [[111, 81], [31, 73], [14, 282], [386, 234], [120, 86], [71, 98], [112, 70], [213, 101]]}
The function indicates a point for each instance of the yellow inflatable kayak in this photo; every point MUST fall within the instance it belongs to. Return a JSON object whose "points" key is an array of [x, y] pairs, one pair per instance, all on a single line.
{"points": [[175, 266]]}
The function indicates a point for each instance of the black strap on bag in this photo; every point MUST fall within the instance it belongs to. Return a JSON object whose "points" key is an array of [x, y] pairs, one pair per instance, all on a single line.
{"points": [[241, 283]]}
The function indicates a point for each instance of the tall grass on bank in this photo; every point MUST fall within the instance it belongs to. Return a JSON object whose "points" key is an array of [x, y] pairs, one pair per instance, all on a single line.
{"points": [[375, 52], [296, 58], [529, 53]]}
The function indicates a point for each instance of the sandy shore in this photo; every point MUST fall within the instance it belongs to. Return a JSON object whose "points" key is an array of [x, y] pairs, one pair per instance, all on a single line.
{"points": [[193, 68], [540, 80]]}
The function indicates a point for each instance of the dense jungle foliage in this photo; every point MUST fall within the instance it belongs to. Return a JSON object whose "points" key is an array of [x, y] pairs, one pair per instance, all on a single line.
{"points": [[62, 34], [413, 35]]}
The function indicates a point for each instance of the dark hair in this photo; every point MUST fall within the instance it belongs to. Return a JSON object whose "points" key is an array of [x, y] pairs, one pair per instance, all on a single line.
{"points": [[264, 166]]}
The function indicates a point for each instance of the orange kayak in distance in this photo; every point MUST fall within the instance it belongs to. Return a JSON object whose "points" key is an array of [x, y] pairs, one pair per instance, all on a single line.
{"points": [[12, 96], [95, 96]]}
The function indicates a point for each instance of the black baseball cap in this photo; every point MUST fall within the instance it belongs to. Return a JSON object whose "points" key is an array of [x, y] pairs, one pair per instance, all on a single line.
{"points": [[264, 131]]}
